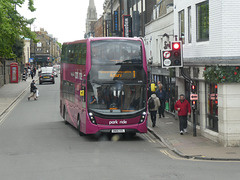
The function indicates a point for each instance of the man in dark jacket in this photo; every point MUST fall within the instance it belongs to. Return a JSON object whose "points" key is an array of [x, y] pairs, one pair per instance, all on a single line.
{"points": [[161, 94], [33, 90], [184, 109]]}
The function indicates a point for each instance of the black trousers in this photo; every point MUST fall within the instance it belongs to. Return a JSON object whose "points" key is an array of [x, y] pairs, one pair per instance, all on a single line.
{"points": [[182, 122], [161, 108], [153, 116]]}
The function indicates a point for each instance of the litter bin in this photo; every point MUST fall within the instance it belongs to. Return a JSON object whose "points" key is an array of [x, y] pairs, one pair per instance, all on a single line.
{"points": [[14, 72]]}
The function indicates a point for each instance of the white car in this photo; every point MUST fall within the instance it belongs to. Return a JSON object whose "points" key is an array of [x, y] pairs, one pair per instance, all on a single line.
{"points": [[55, 72]]}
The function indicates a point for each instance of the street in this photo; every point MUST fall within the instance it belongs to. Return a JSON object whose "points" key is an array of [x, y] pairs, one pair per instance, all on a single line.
{"points": [[37, 145]]}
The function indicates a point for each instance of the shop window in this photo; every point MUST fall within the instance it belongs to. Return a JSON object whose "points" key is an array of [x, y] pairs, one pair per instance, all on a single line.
{"points": [[212, 107]]}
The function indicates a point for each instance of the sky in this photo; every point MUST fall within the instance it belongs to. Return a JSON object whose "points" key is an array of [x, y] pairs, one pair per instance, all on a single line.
{"points": [[65, 20]]}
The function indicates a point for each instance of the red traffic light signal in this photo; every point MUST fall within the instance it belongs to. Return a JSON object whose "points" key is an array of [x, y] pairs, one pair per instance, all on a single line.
{"points": [[176, 45], [194, 89]]}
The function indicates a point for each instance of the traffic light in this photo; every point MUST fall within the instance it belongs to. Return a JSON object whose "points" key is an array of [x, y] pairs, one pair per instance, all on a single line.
{"points": [[193, 88], [172, 58], [194, 104], [177, 54]]}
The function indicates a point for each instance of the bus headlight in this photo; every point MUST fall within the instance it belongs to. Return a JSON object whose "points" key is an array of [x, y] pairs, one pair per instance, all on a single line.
{"points": [[92, 119], [143, 116]]}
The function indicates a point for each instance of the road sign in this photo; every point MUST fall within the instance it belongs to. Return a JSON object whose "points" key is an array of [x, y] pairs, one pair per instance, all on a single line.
{"points": [[193, 97], [30, 60], [167, 62], [167, 54], [213, 96]]}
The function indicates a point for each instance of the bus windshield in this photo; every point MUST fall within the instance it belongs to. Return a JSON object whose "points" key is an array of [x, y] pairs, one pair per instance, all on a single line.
{"points": [[116, 52], [117, 80], [117, 97]]}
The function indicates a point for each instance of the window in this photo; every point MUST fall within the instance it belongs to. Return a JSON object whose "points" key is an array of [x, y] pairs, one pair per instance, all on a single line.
{"points": [[113, 52], [39, 44], [203, 21], [189, 25], [83, 53], [181, 26], [212, 107], [68, 90], [71, 54]]}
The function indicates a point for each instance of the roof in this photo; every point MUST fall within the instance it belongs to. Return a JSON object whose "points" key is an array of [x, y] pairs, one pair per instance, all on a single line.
{"points": [[102, 38]]}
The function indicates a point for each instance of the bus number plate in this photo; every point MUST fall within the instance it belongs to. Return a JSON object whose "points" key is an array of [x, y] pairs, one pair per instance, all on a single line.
{"points": [[118, 130]]}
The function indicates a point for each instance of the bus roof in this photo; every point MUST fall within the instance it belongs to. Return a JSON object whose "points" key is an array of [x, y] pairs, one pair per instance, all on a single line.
{"points": [[101, 39]]}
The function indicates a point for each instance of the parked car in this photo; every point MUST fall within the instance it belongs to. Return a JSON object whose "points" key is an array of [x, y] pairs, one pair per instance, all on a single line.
{"points": [[46, 77]]}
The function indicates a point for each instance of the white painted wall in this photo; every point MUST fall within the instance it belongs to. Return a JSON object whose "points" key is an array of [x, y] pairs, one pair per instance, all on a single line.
{"points": [[228, 108], [153, 36], [26, 50], [224, 29]]}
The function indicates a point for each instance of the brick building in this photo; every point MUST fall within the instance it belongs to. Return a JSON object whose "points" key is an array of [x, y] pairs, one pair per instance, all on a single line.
{"points": [[98, 27], [45, 51]]}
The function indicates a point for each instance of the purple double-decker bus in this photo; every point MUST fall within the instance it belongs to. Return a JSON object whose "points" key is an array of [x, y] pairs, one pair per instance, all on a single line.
{"points": [[104, 85]]}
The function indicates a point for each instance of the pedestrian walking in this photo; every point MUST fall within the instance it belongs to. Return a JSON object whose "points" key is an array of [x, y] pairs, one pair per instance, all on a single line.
{"points": [[184, 109], [161, 94], [24, 76], [29, 71], [153, 105], [32, 73], [33, 90]]}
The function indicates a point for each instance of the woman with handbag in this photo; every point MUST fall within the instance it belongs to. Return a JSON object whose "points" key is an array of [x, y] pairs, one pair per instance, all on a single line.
{"points": [[33, 90]]}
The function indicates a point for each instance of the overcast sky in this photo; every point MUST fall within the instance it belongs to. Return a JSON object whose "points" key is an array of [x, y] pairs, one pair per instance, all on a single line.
{"points": [[65, 20]]}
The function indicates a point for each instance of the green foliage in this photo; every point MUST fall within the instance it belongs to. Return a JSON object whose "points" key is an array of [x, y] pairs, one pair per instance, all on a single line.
{"points": [[60, 45], [222, 74], [18, 47], [13, 26]]}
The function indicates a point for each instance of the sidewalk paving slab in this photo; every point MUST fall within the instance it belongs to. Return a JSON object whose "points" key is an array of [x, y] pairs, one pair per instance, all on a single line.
{"points": [[9, 93], [188, 146]]}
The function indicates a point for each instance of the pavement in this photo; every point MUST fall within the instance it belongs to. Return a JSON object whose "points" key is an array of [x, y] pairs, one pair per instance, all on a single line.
{"points": [[10, 93], [166, 130], [188, 146]]}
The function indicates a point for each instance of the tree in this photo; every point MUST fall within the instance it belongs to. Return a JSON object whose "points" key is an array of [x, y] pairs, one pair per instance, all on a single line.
{"points": [[13, 26]]}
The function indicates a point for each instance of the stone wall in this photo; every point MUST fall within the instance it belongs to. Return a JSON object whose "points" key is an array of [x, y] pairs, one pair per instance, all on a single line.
{"points": [[229, 119], [1, 76]]}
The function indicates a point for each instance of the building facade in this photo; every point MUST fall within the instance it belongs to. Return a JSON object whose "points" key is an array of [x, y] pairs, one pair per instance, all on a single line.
{"points": [[26, 50], [46, 50], [159, 32], [98, 27], [210, 39], [126, 18]]}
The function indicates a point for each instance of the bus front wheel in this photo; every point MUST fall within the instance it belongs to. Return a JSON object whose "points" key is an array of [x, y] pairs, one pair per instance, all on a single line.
{"points": [[78, 127], [65, 115]]}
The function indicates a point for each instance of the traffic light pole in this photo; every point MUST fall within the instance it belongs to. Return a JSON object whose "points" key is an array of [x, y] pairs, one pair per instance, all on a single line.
{"points": [[193, 105], [194, 121]]}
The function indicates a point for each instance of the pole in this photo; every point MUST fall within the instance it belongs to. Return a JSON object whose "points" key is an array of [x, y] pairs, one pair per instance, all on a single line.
{"points": [[194, 122]]}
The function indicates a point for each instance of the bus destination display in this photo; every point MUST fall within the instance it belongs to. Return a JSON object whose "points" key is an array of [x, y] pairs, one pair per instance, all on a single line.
{"points": [[117, 74]]}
